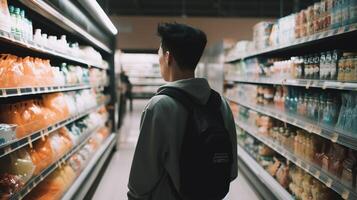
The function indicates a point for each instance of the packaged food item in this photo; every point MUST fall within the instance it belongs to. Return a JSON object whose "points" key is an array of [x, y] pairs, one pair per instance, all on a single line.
{"points": [[282, 175], [56, 102], [5, 20], [42, 155], [7, 133], [9, 184], [349, 165], [274, 168], [18, 163], [264, 150]]}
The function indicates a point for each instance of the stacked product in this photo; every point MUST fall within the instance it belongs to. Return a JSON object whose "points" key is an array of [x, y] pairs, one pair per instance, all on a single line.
{"points": [[299, 183], [55, 185], [330, 65], [15, 24], [327, 108], [320, 17], [19, 166], [33, 115], [30, 72], [336, 159]]}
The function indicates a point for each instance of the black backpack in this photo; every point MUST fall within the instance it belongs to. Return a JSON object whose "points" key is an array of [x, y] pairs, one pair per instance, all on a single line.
{"points": [[206, 152]]}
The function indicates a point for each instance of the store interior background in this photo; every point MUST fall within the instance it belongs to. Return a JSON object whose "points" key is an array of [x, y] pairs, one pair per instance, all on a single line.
{"points": [[287, 68]]}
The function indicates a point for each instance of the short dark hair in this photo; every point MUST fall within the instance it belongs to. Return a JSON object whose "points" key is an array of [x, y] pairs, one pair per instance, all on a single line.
{"points": [[185, 43]]}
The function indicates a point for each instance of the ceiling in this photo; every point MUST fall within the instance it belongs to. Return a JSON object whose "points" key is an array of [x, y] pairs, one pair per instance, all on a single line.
{"points": [[203, 8]]}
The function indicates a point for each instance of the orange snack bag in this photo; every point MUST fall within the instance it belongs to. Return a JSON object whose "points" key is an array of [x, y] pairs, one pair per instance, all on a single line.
{"points": [[42, 155], [57, 103]]}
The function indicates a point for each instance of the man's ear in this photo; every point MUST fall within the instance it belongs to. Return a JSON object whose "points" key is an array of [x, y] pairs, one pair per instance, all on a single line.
{"points": [[168, 58]]}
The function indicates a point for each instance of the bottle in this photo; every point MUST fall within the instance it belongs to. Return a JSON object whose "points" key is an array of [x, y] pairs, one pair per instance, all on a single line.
{"points": [[17, 24], [322, 67], [353, 11], [22, 24], [13, 20], [328, 66], [334, 66], [316, 66], [345, 12]]}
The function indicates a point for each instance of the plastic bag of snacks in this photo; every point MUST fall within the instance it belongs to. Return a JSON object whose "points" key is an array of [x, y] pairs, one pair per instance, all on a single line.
{"points": [[57, 103], [18, 163], [42, 155], [53, 187]]}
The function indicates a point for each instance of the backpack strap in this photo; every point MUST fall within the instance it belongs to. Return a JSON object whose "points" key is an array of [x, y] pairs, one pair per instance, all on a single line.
{"points": [[181, 96]]}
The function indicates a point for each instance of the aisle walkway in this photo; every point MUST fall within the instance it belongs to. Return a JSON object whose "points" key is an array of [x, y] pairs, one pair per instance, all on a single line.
{"points": [[114, 182]]}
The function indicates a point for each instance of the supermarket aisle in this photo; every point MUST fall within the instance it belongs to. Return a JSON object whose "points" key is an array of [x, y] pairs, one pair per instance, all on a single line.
{"points": [[114, 182]]}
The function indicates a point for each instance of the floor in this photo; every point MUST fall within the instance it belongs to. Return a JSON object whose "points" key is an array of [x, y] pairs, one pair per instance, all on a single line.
{"points": [[113, 185]]}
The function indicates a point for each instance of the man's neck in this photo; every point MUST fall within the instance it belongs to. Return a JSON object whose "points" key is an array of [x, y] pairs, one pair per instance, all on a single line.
{"points": [[181, 76]]}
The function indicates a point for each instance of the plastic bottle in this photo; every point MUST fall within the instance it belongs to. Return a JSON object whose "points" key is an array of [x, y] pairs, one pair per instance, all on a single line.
{"points": [[18, 34], [22, 25], [322, 67], [334, 64], [345, 12], [13, 20], [353, 11]]}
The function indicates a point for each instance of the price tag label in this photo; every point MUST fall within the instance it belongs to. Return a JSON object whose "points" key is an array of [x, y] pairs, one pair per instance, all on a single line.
{"points": [[7, 150], [334, 137], [29, 140], [345, 194], [317, 174], [329, 182], [308, 84], [42, 136]]}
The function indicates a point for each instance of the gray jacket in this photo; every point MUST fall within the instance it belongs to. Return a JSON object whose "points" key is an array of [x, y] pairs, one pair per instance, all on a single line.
{"points": [[162, 128]]}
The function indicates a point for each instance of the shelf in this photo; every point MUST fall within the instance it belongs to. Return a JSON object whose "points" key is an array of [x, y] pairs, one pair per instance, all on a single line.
{"points": [[46, 10], [19, 143], [307, 83], [33, 182], [264, 176], [5, 38], [22, 91], [332, 134], [303, 42], [325, 177], [95, 164]]}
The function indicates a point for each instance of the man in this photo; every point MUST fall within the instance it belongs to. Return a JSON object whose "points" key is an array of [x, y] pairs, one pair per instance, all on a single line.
{"points": [[155, 171]]}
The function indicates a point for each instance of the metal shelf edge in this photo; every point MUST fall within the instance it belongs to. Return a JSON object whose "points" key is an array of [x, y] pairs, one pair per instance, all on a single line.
{"points": [[340, 85], [22, 91]]}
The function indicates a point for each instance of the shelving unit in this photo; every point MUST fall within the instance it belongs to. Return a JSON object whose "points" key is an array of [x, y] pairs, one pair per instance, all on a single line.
{"points": [[36, 180], [264, 176], [340, 39], [343, 138], [64, 18], [19, 143], [325, 177], [4, 38], [309, 41], [307, 83], [46, 10]]}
